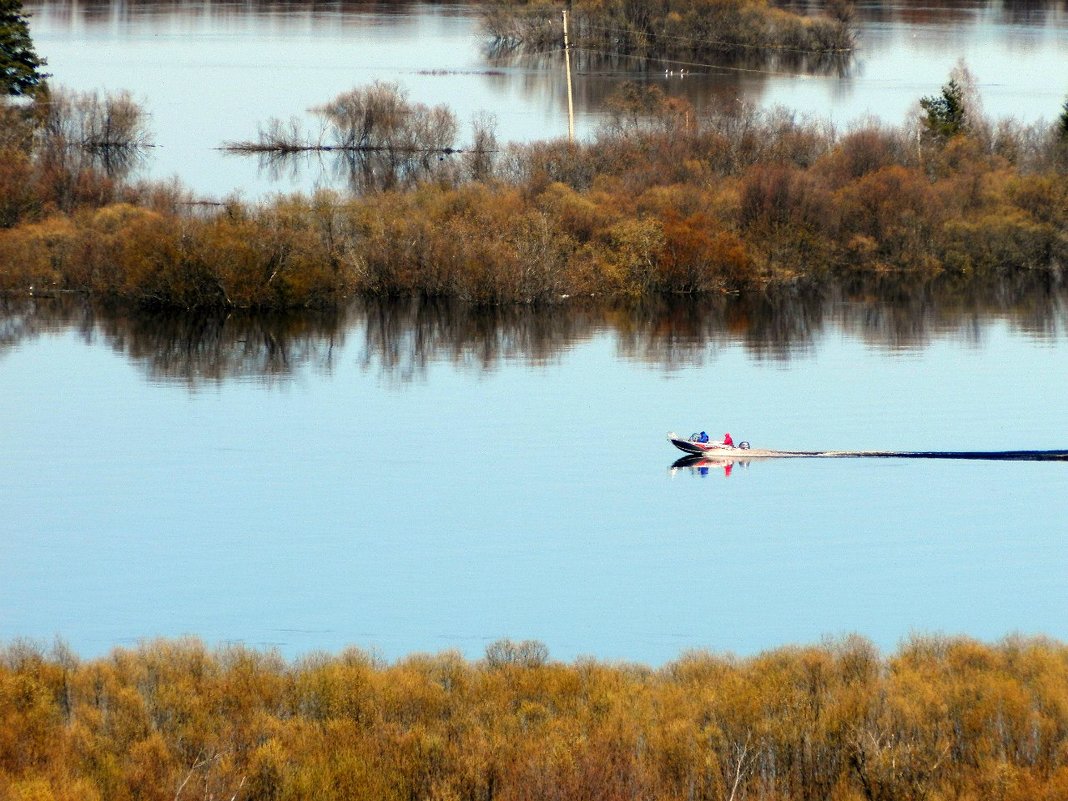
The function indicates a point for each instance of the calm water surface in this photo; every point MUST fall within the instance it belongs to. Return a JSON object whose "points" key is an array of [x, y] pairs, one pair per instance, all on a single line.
{"points": [[214, 72], [413, 477]]}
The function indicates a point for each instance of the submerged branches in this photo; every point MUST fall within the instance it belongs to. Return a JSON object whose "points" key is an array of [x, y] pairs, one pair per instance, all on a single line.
{"points": [[372, 119], [96, 122], [111, 130], [362, 171], [376, 139]]}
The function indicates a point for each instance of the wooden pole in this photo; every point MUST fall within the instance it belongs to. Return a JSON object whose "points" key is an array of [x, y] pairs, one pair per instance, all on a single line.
{"points": [[570, 101]]}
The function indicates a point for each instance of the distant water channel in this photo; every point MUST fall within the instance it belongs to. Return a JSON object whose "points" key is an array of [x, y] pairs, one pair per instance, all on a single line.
{"points": [[214, 72], [417, 476]]}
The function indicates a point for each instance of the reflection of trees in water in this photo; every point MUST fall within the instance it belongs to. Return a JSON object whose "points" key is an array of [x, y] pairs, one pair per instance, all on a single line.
{"points": [[707, 88], [187, 347], [196, 348], [923, 12], [893, 313], [107, 11], [401, 337], [361, 171], [25, 320], [680, 331]]}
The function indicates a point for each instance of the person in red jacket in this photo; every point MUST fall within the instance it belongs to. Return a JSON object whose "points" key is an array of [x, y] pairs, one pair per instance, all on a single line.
{"points": [[727, 440]]}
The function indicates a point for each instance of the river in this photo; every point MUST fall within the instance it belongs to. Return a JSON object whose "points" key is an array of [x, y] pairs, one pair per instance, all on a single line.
{"points": [[415, 476], [418, 476]]}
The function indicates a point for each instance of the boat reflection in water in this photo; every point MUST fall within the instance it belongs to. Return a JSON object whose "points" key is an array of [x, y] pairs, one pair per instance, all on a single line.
{"points": [[700, 465]]}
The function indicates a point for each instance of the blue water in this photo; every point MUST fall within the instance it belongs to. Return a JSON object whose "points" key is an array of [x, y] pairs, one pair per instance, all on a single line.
{"points": [[444, 495]]}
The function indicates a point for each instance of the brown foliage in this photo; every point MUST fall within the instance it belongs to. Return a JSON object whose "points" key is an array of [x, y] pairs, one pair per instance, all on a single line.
{"points": [[895, 208], [941, 718], [663, 200]]}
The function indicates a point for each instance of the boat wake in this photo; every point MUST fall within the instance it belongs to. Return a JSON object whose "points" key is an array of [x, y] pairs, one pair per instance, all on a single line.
{"points": [[993, 456]]}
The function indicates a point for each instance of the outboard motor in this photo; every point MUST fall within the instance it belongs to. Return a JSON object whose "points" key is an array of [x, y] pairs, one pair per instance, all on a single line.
{"points": [[743, 445]]}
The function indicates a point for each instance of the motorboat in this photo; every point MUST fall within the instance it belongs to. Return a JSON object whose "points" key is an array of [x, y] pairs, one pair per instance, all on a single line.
{"points": [[695, 447], [720, 450]]}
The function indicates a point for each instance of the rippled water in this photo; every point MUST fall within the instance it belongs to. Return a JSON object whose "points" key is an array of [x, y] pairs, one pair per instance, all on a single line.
{"points": [[213, 72], [419, 476]]}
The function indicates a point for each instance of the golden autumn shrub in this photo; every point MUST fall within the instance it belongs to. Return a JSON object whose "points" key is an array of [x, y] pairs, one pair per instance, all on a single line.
{"points": [[940, 718], [18, 201], [37, 257], [897, 209]]}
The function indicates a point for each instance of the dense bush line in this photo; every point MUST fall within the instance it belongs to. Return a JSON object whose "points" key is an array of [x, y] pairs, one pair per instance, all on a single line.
{"points": [[943, 718], [663, 200]]}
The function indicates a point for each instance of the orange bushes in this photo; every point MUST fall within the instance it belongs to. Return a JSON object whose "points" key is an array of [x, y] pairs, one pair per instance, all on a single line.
{"points": [[942, 718], [860, 152], [895, 208], [17, 199], [780, 197]]}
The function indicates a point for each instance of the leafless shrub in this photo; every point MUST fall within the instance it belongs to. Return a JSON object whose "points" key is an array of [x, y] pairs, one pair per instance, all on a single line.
{"points": [[277, 136], [93, 121], [478, 159], [526, 653], [379, 117], [82, 132]]}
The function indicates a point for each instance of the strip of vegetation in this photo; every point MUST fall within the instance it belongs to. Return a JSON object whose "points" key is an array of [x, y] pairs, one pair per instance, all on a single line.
{"points": [[663, 200], [689, 30], [942, 718]]}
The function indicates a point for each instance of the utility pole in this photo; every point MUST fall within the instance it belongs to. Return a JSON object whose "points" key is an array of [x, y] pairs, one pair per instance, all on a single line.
{"points": [[570, 101]]}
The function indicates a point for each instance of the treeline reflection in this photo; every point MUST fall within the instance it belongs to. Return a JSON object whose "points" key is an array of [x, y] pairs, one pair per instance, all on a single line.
{"points": [[400, 338]]}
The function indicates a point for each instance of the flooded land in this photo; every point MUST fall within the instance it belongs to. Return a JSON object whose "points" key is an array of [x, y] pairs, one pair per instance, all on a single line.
{"points": [[211, 73]]}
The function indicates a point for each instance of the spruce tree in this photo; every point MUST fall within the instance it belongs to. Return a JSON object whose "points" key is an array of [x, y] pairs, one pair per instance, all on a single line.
{"points": [[946, 115], [20, 66]]}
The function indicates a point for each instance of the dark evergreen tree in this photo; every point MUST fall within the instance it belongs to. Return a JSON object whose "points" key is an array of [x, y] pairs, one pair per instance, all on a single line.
{"points": [[20, 66], [946, 114], [1063, 121]]}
